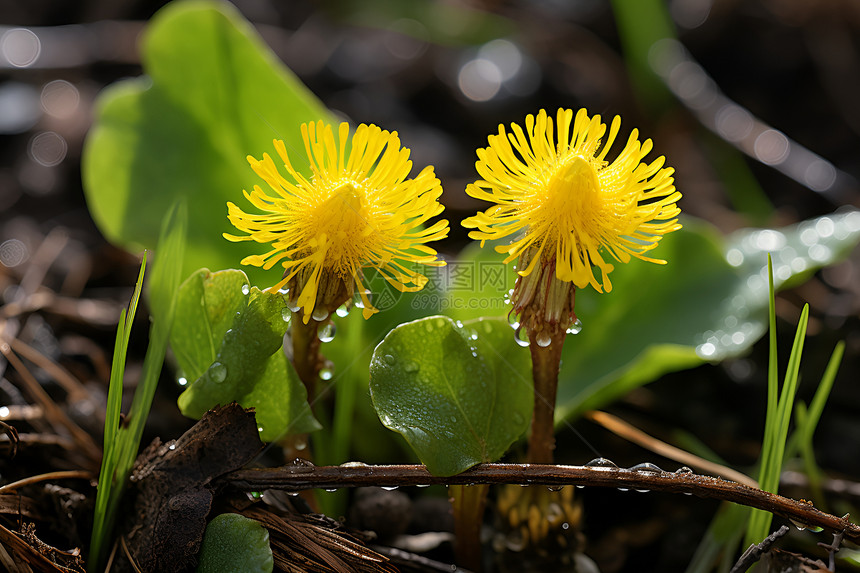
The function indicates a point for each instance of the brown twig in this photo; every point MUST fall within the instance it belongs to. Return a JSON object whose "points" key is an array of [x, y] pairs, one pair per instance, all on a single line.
{"points": [[50, 476], [632, 434], [642, 478], [64, 378]]}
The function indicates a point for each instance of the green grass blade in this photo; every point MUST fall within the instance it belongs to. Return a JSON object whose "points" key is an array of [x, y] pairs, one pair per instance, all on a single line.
{"points": [[121, 452], [102, 518], [778, 419]]}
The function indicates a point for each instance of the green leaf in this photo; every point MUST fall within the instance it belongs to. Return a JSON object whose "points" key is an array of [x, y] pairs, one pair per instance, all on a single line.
{"points": [[228, 339], [215, 94], [233, 542], [460, 394], [207, 305]]}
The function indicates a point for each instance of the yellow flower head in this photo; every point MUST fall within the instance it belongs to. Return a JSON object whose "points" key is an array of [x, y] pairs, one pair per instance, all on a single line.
{"points": [[567, 205], [358, 210]]}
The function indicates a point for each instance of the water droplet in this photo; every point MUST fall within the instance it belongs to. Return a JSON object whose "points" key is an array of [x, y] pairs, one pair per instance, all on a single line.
{"points": [[171, 447], [580, 487], [513, 320], [182, 380], [331, 489], [521, 336], [326, 374], [255, 495], [286, 314], [646, 468], [319, 314], [353, 465], [684, 470], [389, 487], [218, 372], [411, 366], [458, 323], [543, 340], [422, 485], [293, 305], [554, 488], [566, 525], [389, 359], [260, 429], [246, 289], [453, 419], [473, 336], [342, 311], [575, 328], [623, 489], [326, 332], [601, 463], [643, 490]]}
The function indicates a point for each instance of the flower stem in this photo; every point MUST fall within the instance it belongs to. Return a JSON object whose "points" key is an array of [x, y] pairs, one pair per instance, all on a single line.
{"points": [[545, 365], [467, 503], [306, 352]]}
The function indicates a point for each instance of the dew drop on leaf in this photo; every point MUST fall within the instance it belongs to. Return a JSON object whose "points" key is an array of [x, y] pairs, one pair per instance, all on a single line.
{"points": [[246, 289], [218, 372]]}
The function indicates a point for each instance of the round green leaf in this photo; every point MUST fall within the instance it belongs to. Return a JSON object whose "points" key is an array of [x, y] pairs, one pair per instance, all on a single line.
{"points": [[460, 394], [233, 542]]}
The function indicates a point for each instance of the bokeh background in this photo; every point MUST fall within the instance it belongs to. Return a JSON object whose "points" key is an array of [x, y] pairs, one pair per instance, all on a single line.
{"points": [[754, 104]]}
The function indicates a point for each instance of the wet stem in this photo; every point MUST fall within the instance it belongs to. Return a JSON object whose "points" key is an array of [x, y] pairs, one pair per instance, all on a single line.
{"points": [[545, 366], [306, 352]]}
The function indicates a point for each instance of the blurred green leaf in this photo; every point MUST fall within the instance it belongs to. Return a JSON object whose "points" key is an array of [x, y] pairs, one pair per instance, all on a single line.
{"points": [[229, 343], [215, 94], [233, 542], [460, 394]]}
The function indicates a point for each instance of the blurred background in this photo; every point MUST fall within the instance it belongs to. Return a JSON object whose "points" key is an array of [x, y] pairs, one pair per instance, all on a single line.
{"points": [[753, 102]]}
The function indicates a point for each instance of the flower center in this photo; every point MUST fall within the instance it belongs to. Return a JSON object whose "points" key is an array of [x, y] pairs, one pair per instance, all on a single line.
{"points": [[573, 197], [343, 219]]}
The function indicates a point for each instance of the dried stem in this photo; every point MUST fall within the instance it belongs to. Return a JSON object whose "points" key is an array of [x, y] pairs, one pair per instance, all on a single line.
{"points": [[545, 365], [301, 477]]}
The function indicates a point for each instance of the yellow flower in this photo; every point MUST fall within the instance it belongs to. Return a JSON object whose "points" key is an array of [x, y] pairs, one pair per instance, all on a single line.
{"points": [[358, 210], [566, 204]]}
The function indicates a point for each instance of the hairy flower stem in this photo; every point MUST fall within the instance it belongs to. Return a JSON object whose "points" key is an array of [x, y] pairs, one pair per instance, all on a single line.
{"points": [[545, 365], [306, 352]]}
